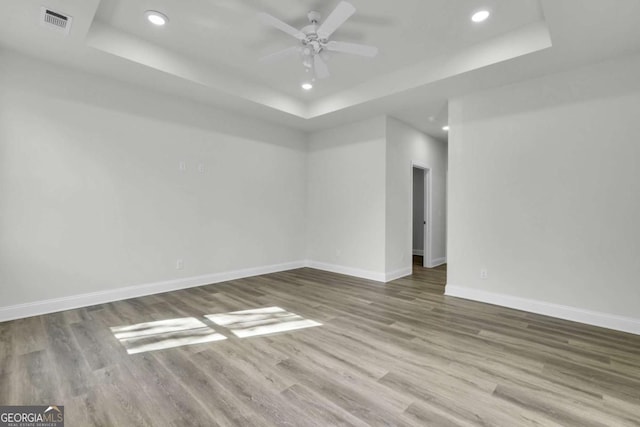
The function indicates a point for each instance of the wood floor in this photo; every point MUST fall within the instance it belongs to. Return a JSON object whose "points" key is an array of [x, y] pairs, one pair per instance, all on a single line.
{"points": [[400, 354]]}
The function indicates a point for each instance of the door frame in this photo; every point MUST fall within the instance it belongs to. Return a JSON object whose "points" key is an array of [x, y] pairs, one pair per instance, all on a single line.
{"points": [[428, 220]]}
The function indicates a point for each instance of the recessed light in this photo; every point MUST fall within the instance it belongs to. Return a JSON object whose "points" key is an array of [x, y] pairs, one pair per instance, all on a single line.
{"points": [[307, 86], [445, 128], [156, 18], [480, 16]]}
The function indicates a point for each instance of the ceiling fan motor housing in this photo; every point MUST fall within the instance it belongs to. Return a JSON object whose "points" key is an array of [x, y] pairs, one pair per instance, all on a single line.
{"points": [[312, 43]]}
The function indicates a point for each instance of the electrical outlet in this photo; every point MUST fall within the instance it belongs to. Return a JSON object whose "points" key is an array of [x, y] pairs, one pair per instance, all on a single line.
{"points": [[338, 252], [179, 264], [484, 274], [182, 166], [201, 167]]}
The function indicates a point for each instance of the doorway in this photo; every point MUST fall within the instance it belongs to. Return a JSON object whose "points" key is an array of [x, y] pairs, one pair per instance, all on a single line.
{"points": [[421, 213]]}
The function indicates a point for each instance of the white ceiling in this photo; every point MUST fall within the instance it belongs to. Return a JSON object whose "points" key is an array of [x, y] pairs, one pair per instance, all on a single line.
{"points": [[430, 51], [228, 34]]}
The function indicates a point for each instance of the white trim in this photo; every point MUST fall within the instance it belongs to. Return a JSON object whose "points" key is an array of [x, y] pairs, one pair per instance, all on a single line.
{"points": [[363, 274], [438, 261], [355, 272], [53, 305], [403, 272], [427, 237], [418, 252], [605, 320]]}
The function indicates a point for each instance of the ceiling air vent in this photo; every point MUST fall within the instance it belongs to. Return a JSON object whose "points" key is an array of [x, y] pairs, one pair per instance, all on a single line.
{"points": [[55, 20]]}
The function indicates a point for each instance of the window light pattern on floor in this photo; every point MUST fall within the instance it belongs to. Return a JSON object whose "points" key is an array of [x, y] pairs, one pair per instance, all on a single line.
{"points": [[163, 334], [261, 321]]}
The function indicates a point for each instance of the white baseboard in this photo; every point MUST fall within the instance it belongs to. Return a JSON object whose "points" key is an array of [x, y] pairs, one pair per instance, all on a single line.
{"points": [[403, 272], [36, 308], [53, 305], [362, 274], [348, 271], [595, 318], [438, 262], [418, 252]]}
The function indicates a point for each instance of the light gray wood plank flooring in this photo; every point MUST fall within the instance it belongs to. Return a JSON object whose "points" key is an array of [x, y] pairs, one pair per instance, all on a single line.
{"points": [[400, 354]]}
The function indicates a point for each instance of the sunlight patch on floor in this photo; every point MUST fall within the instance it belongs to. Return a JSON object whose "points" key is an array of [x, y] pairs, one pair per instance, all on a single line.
{"points": [[261, 321], [162, 334]]}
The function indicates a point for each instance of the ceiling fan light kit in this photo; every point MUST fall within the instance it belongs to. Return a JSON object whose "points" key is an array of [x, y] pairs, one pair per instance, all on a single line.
{"points": [[314, 39]]}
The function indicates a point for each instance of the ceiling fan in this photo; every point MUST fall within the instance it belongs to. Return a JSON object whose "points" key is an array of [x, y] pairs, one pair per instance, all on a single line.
{"points": [[314, 39]]}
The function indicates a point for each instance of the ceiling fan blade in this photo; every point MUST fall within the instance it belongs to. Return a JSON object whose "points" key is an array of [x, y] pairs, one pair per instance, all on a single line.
{"points": [[340, 14], [285, 53], [282, 26], [353, 48], [320, 67]]}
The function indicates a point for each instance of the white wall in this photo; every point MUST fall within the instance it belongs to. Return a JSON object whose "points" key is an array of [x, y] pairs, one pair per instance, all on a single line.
{"points": [[544, 193], [92, 198], [418, 210], [407, 146], [346, 199]]}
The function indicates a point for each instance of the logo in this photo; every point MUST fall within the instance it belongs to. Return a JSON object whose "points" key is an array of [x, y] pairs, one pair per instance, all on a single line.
{"points": [[32, 416]]}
